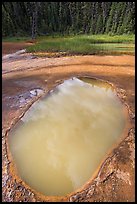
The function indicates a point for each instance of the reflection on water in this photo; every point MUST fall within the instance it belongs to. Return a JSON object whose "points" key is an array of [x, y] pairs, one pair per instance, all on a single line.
{"points": [[98, 83], [60, 141]]}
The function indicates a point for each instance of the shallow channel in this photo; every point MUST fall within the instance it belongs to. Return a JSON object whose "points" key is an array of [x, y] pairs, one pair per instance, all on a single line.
{"points": [[60, 141]]}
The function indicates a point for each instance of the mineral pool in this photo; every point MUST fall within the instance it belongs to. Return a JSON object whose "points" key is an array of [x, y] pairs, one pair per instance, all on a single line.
{"points": [[61, 140]]}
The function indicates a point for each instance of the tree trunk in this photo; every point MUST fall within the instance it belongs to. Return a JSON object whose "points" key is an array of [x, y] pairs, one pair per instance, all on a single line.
{"points": [[34, 21]]}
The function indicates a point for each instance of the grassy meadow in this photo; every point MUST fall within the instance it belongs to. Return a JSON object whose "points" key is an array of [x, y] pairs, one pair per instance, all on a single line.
{"points": [[81, 44]]}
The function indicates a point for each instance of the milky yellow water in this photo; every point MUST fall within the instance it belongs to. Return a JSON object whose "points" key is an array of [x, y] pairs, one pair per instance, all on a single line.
{"points": [[60, 141]]}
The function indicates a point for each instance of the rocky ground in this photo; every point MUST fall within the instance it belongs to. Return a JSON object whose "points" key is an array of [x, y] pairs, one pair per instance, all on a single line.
{"points": [[25, 78]]}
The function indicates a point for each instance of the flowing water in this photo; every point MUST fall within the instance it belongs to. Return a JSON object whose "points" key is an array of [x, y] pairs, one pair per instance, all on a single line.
{"points": [[60, 141]]}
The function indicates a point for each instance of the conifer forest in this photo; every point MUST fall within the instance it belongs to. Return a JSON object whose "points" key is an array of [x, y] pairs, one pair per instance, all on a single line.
{"points": [[47, 18]]}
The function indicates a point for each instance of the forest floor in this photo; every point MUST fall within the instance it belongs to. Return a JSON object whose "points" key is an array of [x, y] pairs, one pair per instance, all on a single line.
{"points": [[21, 74]]}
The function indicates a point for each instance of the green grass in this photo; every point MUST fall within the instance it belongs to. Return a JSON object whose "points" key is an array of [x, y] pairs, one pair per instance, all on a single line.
{"points": [[15, 39], [82, 44], [108, 38], [86, 44]]}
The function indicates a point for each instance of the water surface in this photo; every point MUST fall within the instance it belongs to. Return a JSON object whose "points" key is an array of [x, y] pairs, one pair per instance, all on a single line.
{"points": [[60, 141]]}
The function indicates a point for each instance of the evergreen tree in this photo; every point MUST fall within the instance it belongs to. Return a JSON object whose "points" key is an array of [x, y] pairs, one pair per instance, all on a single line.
{"points": [[111, 19], [122, 9], [32, 18], [99, 25]]}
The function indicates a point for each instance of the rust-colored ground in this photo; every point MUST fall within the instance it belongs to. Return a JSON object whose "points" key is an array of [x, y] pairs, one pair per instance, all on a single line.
{"points": [[116, 178], [11, 47]]}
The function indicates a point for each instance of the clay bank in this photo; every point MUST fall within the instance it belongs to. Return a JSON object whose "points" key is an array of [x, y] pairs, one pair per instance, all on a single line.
{"points": [[72, 117]]}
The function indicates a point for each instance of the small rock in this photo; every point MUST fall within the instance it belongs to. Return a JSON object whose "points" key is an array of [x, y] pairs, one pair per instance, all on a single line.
{"points": [[33, 57], [33, 92], [58, 80], [39, 91], [22, 100], [133, 116], [74, 198]]}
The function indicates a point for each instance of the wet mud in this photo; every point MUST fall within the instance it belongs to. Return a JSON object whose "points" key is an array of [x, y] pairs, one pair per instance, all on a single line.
{"points": [[115, 178]]}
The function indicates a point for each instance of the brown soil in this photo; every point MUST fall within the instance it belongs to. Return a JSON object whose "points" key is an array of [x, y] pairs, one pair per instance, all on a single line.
{"points": [[11, 47], [115, 180]]}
